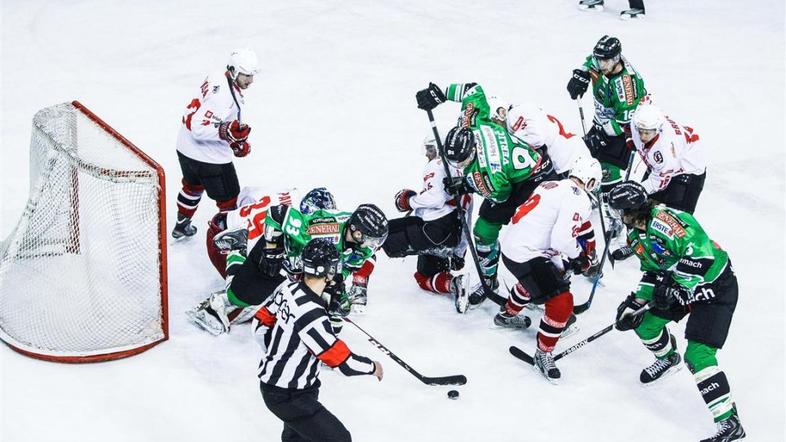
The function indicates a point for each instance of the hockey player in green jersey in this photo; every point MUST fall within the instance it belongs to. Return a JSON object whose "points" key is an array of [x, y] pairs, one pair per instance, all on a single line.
{"points": [[503, 171], [251, 279], [617, 89], [685, 274]]}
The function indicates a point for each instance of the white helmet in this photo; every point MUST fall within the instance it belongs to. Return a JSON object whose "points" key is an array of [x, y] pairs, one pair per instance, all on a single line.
{"points": [[242, 61], [649, 117], [498, 109], [588, 170], [429, 143]]}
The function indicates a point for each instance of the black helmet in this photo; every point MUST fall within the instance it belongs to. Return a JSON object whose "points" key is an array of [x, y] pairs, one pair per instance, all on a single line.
{"points": [[607, 48], [627, 196], [315, 199], [320, 258], [459, 144], [371, 222]]}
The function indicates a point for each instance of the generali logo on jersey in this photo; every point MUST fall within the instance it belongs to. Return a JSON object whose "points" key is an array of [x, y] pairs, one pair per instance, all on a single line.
{"points": [[627, 84], [323, 229], [676, 228]]}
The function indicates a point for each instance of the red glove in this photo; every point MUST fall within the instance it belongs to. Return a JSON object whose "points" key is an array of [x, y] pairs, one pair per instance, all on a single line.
{"points": [[240, 148], [402, 199], [234, 131]]}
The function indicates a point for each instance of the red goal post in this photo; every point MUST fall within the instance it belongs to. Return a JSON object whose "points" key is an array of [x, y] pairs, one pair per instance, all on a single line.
{"points": [[83, 276]]}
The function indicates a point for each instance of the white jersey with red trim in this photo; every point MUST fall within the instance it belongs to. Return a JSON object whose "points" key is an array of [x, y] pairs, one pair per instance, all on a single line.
{"points": [[548, 223], [433, 202], [675, 150], [531, 124], [256, 202], [198, 136]]}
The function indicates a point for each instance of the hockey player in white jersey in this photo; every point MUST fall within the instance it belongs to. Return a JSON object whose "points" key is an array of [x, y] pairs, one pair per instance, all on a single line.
{"points": [[551, 226], [212, 132], [544, 132], [433, 232], [675, 159], [674, 156]]}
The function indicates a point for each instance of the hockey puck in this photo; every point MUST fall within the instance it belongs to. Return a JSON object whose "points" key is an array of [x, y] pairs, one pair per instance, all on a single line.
{"points": [[453, 394]]}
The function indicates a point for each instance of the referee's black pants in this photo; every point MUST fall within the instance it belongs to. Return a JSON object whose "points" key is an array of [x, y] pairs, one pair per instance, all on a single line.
{"points": [[305, 419]]}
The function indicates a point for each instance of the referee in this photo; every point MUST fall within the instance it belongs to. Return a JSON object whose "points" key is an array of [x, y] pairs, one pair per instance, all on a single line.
{"points": [[298, 337]]}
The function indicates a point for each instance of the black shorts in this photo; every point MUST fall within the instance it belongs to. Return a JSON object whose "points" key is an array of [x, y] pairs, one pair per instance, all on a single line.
{"points": [[219, 180], [501, 213], [709, 321], [616, 151], [539, 276], [410, 235], [682, 193]]}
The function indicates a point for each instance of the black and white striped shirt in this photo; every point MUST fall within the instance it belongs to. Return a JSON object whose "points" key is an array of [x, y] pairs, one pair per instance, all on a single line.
{"points": [[300, 337]]}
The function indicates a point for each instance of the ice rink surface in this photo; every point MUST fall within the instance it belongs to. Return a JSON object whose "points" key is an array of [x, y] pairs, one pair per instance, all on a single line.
{"points": [[334, 106]]}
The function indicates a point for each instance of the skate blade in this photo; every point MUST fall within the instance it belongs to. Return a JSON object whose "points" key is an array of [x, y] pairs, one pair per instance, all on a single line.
{"points": [[591, 8]]}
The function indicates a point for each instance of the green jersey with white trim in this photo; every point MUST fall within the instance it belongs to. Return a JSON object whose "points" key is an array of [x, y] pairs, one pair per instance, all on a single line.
{"points": [[500, 162], [616, 96], [298, 229], [675, 242]]}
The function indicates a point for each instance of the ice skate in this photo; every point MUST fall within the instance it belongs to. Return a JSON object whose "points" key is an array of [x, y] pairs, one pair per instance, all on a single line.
{"points": [[729, 429], [183, 227], [517, 322], [544, 362], [631, 13], [660, 369], [458, 287], [591, 5], [210, 314]]}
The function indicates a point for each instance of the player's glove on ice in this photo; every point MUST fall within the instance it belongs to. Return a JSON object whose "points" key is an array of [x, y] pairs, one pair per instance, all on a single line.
{"points": [[668, 292], [430, 97]]}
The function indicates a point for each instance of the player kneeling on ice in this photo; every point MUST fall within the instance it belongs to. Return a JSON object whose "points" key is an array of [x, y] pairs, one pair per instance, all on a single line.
{"points": [[297, 323], [685, 273], [433, 232], [553, 222]]}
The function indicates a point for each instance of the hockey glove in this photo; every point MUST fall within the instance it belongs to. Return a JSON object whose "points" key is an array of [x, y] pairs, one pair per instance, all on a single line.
{"points": [[578, 83], [580, 264], [402, 200], [271, 260], [626, 320], [233, 131], [457, 185], [240, 148], [430, 97], [595, 140], [668, 292]]}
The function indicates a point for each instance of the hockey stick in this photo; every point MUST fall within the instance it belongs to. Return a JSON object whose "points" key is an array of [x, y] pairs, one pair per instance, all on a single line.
{"points": [[581, 308], [581, 117], [497, 299], [458, 379], [520, 354]]}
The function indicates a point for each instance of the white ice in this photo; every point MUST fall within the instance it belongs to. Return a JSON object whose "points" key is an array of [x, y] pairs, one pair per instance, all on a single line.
{"points": [[334, 106]]}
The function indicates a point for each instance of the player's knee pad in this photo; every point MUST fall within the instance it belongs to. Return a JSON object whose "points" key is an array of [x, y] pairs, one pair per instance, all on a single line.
{"points": [[486, 232], [699, 356], [192, 189], [560, 307]]}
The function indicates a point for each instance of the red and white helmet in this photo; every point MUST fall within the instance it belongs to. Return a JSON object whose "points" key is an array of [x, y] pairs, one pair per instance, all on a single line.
{"points": [[242, 61], [498, 109]]}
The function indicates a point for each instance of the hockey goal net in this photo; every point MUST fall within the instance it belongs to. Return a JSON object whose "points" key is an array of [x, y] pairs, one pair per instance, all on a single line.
{"points": [[83, 274]]}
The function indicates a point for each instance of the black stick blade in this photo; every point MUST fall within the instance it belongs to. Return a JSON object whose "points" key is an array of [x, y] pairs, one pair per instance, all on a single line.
{"points": [[458, 379], [519, 353]]}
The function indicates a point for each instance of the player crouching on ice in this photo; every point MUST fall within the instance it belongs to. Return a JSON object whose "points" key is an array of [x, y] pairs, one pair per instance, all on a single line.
{"points": [[685, 273], [297, 321], [553, 222], [433, 232]]}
